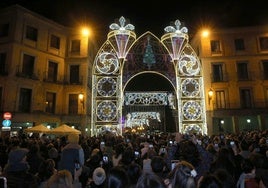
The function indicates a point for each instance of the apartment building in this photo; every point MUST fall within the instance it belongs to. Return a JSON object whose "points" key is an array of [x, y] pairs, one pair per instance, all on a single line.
{"points": [[235, 72], [44, 70]]}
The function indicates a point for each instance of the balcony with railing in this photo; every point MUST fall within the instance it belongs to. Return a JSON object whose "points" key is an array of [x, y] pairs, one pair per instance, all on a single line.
{"points": [[73, 80], [57, 79], [220, 78], [27, 75]]}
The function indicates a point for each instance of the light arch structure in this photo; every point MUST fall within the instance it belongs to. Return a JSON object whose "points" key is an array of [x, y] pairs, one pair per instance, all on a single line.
{"points": [[123, 56]]}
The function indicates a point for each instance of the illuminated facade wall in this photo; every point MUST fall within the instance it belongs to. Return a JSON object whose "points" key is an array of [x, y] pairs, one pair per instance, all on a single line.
{"points": [[235, 68], [36, 60]]}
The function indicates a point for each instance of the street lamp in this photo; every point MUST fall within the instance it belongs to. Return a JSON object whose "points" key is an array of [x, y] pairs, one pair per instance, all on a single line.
{"points": [[81, 98], [210, 95]]}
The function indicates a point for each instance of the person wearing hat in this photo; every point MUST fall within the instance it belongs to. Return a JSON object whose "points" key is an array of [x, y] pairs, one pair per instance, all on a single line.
{"points": [[72, 155], [16, 170], [98, 178]]}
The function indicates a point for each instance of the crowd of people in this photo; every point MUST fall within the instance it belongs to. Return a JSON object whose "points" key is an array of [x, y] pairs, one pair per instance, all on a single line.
{"points": [[136, 161]]}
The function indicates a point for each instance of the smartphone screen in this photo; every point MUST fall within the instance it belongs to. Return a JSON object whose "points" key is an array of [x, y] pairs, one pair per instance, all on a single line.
{"points": [[105, 159], [137, 154], [77, 166]]}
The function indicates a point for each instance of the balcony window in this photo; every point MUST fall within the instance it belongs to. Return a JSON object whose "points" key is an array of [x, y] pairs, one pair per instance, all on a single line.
{"points": [[25, 100], [217, 71], [245, 98], [31, 33], [220, 99], [50, 102], [75, 46], [73, 104], [1, 99], [242, 71], [28, 65], [265, 69], [215, 46], [263, 41], [239, 44], [3, 65], [74, 74], [4, 29], [52, 71], [55, 41]]}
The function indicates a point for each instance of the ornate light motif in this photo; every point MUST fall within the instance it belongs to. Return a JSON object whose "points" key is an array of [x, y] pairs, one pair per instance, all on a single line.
{"points": [[121, 36], [107, 63], [146, 98], [107, 86], [106, 111], [175, 39]]}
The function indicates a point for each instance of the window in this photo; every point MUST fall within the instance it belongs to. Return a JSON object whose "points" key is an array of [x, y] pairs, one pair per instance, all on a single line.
{"points": [[74, 74], [31, 33], [245, 98], [4, 29], [263, 43], [75, 46], [25, 100], [265, 69], [215, 46], [220, 99], [242, 71], [73, 104], [3, 66], [1, 99], [217, 72], [266, 97], [239, 44], [28, 65], [55, 41], [50, 102], [52, 71]]}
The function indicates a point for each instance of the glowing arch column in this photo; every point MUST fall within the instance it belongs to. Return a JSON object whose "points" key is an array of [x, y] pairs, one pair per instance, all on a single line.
{"points": [[190, 97]]}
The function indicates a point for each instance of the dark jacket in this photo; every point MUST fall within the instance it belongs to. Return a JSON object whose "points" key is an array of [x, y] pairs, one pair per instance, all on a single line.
{"points": [[71, 155], [21, 179]]}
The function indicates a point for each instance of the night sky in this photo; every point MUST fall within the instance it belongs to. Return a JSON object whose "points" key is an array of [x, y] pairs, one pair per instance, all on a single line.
{"points": [[152, 16]]}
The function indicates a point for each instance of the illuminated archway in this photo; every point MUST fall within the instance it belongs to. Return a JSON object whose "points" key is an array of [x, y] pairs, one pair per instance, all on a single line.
{"points": [[123, 56]]}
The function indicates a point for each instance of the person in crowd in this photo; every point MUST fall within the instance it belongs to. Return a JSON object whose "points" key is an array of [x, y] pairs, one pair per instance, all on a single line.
{"points": [[3, 155], [225, 161], [189, 150], [118, 152], [134, 171], [247, 178], [98, 179], [53, 153], [72, 155], [17, 170], [147, 159], [45, 171], [209, 181], [226, 179], [128, 157], [64, 178], [182, 176], [117, 178], [150, 180], [159, 166], [34, 157]]}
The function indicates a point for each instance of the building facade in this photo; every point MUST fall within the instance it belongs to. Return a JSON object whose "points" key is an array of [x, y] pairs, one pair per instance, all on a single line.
{"points": [[44, 70], [235, 71], [46, 75]]}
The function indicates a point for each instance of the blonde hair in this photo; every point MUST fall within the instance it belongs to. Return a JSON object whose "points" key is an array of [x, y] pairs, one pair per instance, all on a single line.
{"points": [[61, 179], [73, 138]]}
